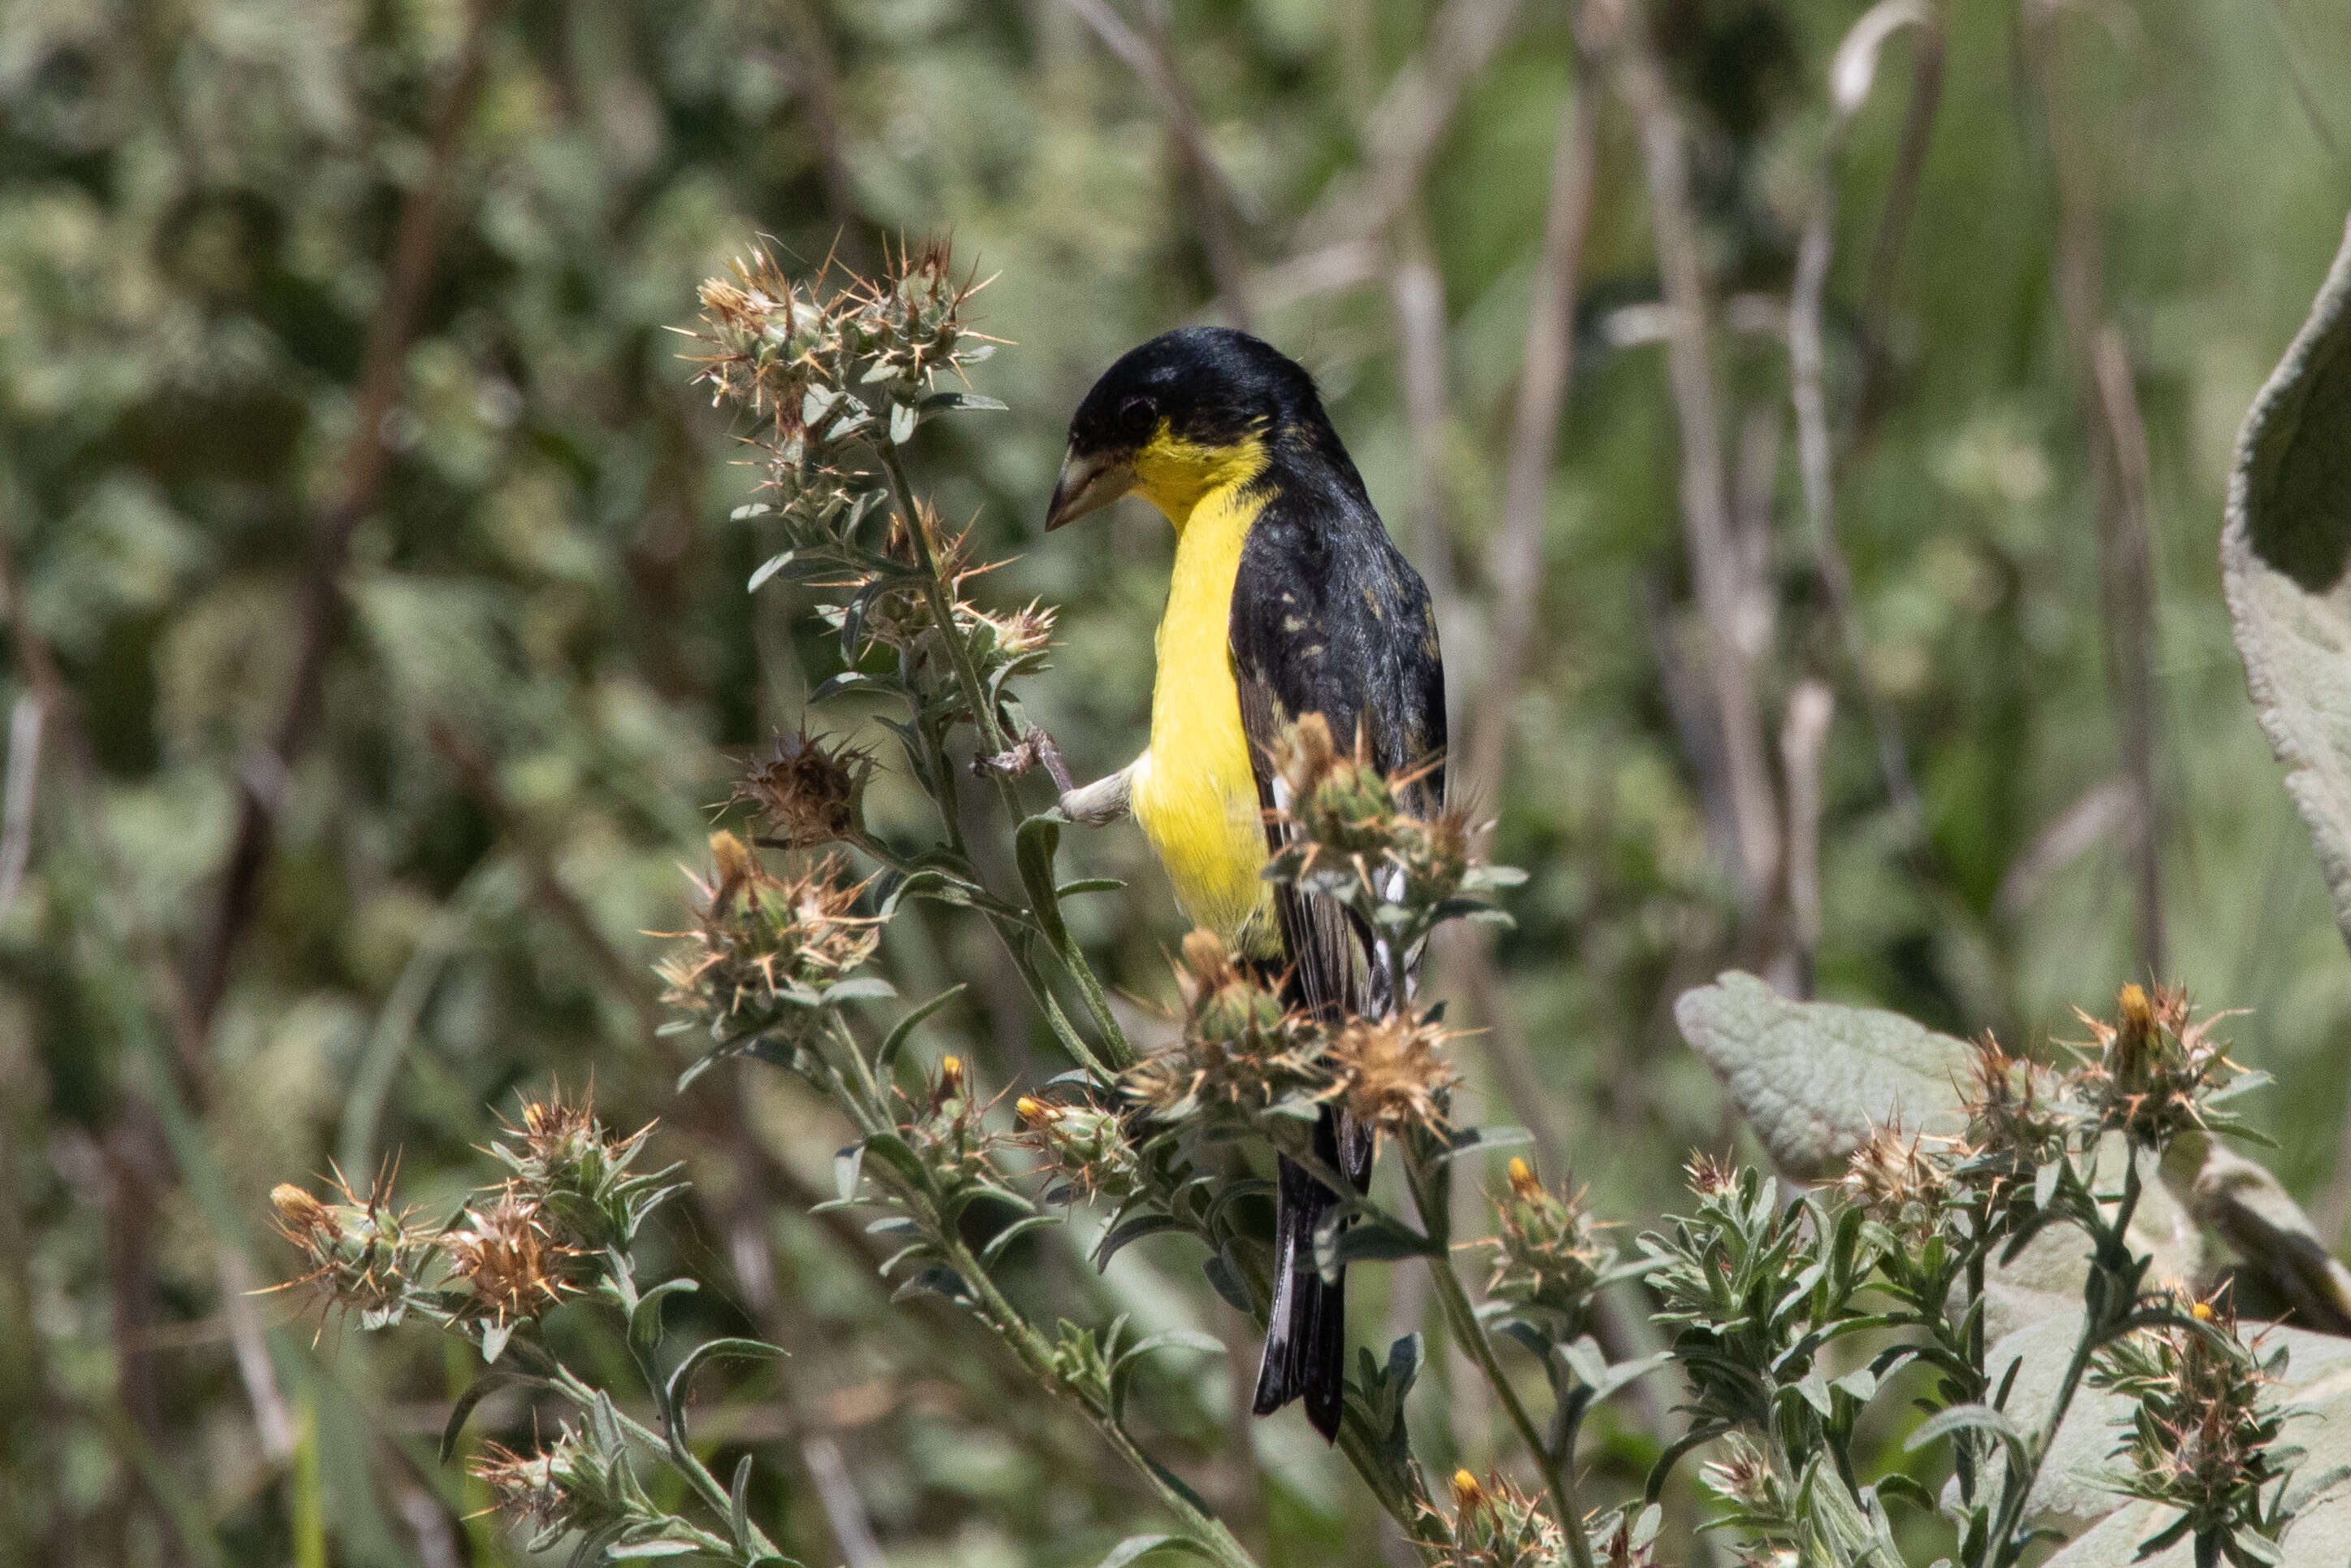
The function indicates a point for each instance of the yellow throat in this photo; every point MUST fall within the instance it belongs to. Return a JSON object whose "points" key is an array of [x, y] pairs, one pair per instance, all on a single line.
{"points": [[1192, 791]]}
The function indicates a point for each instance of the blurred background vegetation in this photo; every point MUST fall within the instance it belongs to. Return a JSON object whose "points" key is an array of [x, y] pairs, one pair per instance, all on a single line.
{"points": [[377, 643]]}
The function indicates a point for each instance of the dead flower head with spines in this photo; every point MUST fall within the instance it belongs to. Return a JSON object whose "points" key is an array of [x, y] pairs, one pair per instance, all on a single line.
{"points": [[505, 1255], [766, 946], [1549, 1256], [807, 791], [365, 1255], [1242, 1053], [1897, 1181], [1494, 1525], [572, 1485], [2155, 1068], [1392, 1074]]}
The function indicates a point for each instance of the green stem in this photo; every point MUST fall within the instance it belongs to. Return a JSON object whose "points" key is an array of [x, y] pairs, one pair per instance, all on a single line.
{"points": [[941, 599], [2112, 1260], [1000, 1315], [1462, 1319]]}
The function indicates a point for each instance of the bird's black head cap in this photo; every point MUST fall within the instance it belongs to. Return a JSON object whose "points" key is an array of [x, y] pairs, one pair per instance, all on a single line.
{"points": [[1212, 386], [1198, 391]]}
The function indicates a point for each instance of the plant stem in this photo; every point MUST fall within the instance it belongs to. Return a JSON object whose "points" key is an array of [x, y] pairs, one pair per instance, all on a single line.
{"points": [[1462, 1318], [941, 600], [1000, 1315], [2111, 1260]]}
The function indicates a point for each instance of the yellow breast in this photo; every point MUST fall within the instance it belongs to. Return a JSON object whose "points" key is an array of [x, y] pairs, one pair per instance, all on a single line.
{"points": [[1193, 791]]}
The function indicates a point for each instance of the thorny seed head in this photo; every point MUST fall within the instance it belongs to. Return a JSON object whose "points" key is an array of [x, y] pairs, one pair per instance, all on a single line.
{"points": [[1548, 1255], [1494, 1525], [575, 1176], [506, 1257], [1630, 1540], [2015, 1123], [1709, 1177], [563, 1488], [1897, 1184], [1742, 1475], [1392, 1074], [2155, 1068], [364, 1255], [1086, 1147], [2202, 1439], [946, 1128], [763, 941], [807, 793], [1241, 1053], [1340, 801]]}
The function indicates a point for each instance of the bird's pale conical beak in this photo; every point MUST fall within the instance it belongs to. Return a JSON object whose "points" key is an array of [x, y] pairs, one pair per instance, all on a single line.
{"points": [[1087, 485]]}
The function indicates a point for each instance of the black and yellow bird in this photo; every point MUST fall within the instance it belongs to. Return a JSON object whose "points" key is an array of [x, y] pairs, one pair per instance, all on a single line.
{"points": [[1286, 598]]}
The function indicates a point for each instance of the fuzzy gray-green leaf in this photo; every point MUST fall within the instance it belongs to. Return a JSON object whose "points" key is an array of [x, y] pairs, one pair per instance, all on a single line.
{"points": [[1815, 1077]]}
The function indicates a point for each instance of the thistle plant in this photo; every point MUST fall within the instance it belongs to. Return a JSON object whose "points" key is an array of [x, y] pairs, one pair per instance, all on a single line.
{"points": [[1900, 1248], [558, 1233], [1792, 1315]]}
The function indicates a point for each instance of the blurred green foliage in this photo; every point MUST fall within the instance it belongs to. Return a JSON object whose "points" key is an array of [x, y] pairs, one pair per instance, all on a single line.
{"points": [[544, 662]]}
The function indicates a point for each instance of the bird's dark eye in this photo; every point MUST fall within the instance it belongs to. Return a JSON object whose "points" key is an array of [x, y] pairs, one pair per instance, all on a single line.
{"points": [[1136, 417]]}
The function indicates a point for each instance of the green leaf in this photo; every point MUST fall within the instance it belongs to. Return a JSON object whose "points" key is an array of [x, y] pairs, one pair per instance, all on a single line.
{"points": [[900, 1031], [1130, 1361], [941, 402], [650, 1549], [1469, 1140], [1134, 1230], [1134, 1546], [644, 1316], [1815, 1077], [488, 1383], [1033, 848], [682, 1378], [2282, 556], [904, 418], [1012, 1232], [1968, 1418]]}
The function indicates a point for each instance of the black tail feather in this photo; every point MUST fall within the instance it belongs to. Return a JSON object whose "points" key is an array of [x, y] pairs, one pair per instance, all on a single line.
{"points": [[1306, 1334]]}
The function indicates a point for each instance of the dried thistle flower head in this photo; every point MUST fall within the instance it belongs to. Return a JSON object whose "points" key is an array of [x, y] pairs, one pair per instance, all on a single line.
{"points": [[2203, 1439], [1086, 1147], [807, 793], [2155, 1068], [765, 945], [2014, 1124], [1897, 1184], [1494, 1525], [946, 1128], [505, 1256], [566, 1487], [1392, 1074], [1340, 801], [1549, 1256], [577, 1177], [1242, 1051], [1709, 1177], [364, 1255]]}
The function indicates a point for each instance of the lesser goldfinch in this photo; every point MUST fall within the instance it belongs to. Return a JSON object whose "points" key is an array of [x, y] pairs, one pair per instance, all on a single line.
{"points": [[1286, 598]]}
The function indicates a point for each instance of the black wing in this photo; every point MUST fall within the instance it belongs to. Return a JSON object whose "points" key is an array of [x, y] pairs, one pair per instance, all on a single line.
{"points": [[1329, 617]]}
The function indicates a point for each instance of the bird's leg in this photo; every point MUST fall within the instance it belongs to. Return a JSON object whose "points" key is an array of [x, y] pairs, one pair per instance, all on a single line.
{"points": [[1101, 802]]}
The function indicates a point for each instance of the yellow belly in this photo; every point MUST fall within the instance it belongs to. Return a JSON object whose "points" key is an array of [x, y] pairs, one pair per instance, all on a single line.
{"points": [[1193, 791]]}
